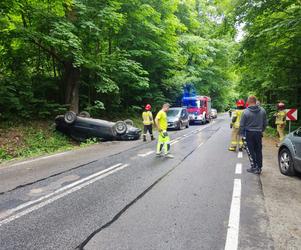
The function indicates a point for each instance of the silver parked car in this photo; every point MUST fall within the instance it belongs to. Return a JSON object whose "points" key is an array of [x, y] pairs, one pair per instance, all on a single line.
{"points": [[177, 118], [213, 113], [289, 155]]}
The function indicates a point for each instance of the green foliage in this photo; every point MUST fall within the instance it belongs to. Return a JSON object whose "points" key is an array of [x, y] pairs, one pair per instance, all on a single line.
{"points": [[271, 132], [271, 109], [107, 55], [270, 55]]}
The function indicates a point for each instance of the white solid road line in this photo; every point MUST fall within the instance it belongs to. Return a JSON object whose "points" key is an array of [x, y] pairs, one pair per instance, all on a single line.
{"points": [[46, 202], [233, 225], [88, 178], [146, 154], [240, 155], [238, 169], [38, 159], [174, 142]]}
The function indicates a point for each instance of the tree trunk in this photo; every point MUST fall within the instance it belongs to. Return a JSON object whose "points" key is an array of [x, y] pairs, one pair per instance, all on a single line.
{"points": [[71, 78]]}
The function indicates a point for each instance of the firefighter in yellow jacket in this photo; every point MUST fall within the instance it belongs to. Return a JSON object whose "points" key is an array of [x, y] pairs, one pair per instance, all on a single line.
{"points": [[280, 120], [148, 122], [236, 139]]}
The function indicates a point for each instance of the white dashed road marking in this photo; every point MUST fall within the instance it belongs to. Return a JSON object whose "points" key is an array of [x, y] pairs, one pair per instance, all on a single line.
{"points": [[146, 154], [238, 168], [240, 155]]}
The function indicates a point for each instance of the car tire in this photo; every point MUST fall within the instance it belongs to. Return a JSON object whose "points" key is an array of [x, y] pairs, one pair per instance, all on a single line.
{"points": [[70, 117], [187, 126], [120, 128], [286, 163], [84, 114], [129, 122]]}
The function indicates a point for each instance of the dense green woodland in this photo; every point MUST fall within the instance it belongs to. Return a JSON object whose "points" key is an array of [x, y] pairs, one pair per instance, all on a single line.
{"points": [[114, 56]]}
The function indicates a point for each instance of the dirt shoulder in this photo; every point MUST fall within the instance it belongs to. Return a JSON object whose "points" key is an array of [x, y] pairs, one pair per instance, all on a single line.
{"points": [[282, 200]]}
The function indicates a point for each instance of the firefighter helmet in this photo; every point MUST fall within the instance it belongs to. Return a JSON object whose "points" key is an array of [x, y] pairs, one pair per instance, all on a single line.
{"points": [[148, 107], [280, 105], [240, 103]]}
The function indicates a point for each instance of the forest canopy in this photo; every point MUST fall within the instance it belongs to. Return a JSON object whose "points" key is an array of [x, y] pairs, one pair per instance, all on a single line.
{"points": [[113, 56]]}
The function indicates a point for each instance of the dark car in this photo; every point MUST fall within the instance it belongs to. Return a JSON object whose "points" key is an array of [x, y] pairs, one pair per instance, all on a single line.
{"points": [[289, 154], [82, 127], [177, 118]]}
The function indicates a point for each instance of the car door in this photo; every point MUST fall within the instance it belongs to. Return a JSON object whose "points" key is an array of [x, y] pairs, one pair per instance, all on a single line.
{"points": [[297, 144], [183, 117], [186, 116]]}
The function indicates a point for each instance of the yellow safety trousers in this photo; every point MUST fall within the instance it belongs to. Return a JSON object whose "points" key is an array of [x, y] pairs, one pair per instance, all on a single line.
{"points": [[163, 143], [236, 138], [280, 130]]}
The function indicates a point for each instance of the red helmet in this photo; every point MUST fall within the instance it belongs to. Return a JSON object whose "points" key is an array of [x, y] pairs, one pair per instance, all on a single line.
{"points": [[148, 107], [280, 105], [240, 103]]}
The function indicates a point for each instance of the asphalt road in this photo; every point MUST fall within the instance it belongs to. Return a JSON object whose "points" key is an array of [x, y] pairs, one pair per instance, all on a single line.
{"points": [[120, 196]]}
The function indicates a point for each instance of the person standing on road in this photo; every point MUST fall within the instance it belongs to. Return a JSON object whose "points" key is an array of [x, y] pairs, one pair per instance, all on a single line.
{"points": [[236, 139], [252, 125], [148, 122], [280, 121], [163, 138]]}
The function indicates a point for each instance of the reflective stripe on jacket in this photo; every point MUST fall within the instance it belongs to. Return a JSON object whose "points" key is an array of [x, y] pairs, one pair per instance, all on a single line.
{"points": [[280, 117], [147, 117], [237, 114]]}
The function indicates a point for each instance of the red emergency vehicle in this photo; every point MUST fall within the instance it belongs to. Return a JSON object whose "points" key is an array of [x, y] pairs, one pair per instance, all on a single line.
{"points": [[198, 107]]}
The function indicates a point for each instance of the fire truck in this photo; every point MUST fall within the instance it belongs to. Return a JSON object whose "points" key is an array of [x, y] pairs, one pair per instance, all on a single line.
{"points": [[198, 107]]}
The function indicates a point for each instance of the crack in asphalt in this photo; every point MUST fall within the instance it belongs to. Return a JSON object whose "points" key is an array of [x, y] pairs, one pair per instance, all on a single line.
{"points": [[71, 169], [141, 195], [45, 178]]}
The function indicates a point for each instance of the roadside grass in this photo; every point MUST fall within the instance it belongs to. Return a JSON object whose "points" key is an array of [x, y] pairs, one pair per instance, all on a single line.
{"points": [[270, 132], [37, 138], [20, 140]]}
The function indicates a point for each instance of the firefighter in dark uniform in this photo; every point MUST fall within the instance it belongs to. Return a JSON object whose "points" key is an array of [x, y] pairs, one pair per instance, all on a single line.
{"points": [[236, 140]]}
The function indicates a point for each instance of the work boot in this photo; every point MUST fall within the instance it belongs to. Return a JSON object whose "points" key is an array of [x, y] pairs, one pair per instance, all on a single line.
{"points": [[144, 138], [251, 170], [232, 149], [240, 149], [257, 171], [152, 137]]}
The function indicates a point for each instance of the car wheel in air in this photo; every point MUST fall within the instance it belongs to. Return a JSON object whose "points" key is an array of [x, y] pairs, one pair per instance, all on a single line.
{"points": [[70, 117], [129, 122], [84, 114], [120, 127], [285, 162]]}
